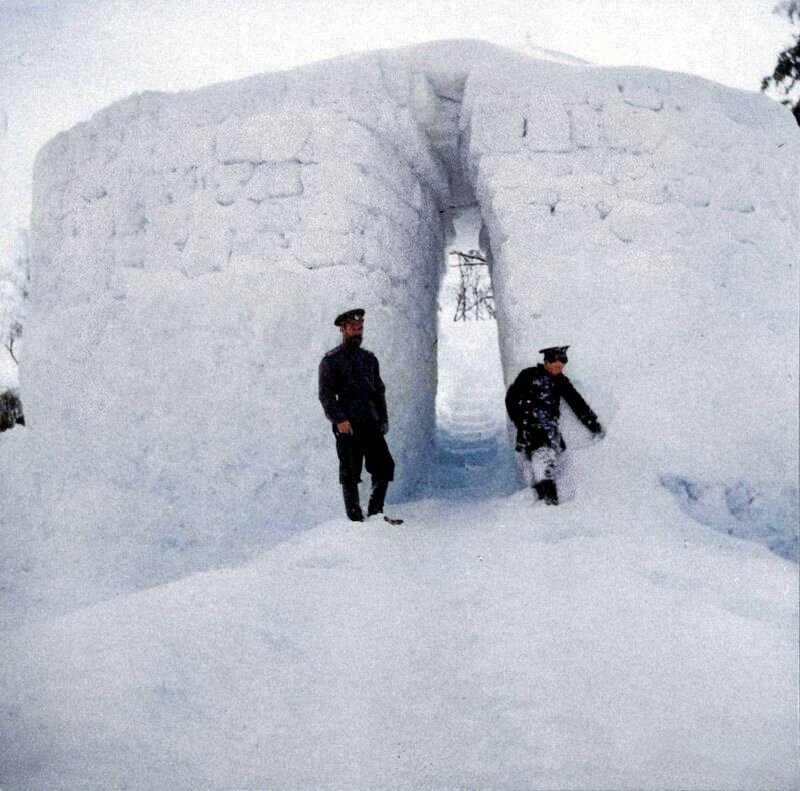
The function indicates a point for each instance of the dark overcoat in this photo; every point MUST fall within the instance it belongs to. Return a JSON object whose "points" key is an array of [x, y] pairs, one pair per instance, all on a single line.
{"points": [[351, 388], [533, 403]]}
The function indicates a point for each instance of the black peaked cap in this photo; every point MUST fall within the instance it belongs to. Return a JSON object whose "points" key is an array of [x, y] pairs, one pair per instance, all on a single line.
{"points": [[554, 351], [356, 314]]}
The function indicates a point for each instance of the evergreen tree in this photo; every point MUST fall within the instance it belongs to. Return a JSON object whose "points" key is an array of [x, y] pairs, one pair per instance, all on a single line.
{"points": [[785, 80]]}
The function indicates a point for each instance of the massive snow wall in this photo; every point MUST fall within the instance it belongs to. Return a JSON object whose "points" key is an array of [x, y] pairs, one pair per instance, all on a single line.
{"points": [[191, 251]]}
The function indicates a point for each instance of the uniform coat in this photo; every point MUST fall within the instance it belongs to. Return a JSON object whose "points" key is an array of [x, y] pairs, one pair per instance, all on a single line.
{"points": [[533, 403], [351, 388]]}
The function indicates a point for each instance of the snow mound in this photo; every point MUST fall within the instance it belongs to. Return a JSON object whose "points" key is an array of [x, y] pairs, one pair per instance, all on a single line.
{"points": [[493, 645], [190, 252]]}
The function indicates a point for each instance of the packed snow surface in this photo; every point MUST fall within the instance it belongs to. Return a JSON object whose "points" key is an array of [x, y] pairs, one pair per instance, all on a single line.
{"points": [[497, 645]]}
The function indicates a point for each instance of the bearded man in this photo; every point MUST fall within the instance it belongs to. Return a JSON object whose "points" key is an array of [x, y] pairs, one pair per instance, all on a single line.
{"points": [[353, 397]]}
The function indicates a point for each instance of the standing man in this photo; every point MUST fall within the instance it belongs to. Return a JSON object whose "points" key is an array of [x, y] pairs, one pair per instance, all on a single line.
{"points": [[353, 396], [533, 404]]}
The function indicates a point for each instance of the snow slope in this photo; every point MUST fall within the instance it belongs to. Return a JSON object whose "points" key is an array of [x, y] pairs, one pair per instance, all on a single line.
{"points": [[486, 645]]}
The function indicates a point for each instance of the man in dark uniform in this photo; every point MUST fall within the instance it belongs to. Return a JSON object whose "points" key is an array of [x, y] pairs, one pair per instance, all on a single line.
{"points": [[533, 404], [353, 396]]}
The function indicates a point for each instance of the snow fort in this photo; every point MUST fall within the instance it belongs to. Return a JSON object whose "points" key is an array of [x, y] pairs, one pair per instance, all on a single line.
{"points": [[190, 252]]}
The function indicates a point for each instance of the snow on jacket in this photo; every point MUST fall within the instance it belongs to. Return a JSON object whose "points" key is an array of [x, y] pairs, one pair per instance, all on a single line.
{"points": [[351, 388], [533, 403]]}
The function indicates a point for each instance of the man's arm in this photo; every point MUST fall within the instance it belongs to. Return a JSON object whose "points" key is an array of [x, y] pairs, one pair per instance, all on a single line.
{"points": [[327, 393], [581, 409], [379, 397], [512, 399]]}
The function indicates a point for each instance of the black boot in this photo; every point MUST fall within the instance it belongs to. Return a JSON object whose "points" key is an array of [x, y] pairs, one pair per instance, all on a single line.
{"points": [[547, 491], [351, 502], [377, 497]]}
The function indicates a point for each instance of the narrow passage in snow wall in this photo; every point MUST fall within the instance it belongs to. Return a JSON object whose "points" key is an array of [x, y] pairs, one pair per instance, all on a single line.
{"points": [[190, 252]]}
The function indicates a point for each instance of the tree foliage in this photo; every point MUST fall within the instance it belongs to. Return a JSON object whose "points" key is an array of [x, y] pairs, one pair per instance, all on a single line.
{"points": [[785, 79]]}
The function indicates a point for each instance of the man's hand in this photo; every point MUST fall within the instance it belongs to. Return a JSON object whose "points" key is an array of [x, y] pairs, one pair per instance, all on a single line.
{"points": [[385, 427], [344, 427], [597, 430]]}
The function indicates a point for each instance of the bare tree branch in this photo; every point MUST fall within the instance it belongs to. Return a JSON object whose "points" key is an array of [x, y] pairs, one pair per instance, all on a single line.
{"points": [[475, 296], [10, 347]]}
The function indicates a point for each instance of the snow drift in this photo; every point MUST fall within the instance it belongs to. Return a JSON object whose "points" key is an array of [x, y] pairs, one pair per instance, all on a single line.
{"points": [[190, 252], [485, 646]]}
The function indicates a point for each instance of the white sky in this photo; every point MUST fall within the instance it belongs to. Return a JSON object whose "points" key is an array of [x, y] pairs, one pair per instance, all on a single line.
{"points": [[62, 60]]}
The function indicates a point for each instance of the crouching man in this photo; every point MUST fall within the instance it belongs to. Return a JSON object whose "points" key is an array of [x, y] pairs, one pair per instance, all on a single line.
{"points": [[533, 404], [353, 396]]}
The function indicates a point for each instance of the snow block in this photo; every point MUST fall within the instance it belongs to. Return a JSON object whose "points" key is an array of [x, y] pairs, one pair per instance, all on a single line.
{"points": [[190, 252], [665, 258]]}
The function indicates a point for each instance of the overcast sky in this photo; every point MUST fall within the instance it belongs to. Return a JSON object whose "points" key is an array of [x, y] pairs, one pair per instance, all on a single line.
{"points": [[62, 60]]}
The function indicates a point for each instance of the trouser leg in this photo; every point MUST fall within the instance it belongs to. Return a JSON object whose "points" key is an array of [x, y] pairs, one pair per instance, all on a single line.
{"points": [[380, 465], [543, 470], [350, 453], [377, 497], [352, 506]]}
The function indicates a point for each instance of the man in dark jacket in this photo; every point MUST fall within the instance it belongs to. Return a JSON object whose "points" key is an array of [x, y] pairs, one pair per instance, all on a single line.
{"points": [[533, 404], [353, 396]]}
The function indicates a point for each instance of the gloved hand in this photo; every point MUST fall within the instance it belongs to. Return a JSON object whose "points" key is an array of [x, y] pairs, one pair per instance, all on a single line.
{"points": [[595, 427]]}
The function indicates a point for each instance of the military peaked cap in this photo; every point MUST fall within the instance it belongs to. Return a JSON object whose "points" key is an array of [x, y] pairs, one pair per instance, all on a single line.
{"points": [[356, 314], [554, 353]]}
